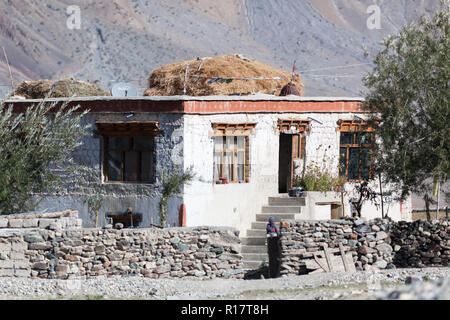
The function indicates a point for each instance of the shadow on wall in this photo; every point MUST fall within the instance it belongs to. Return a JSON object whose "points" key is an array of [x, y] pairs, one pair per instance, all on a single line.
{"points": [[146, 206]]}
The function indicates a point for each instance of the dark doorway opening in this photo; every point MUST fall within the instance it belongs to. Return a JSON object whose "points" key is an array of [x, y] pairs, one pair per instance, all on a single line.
{"points": [[285, 163]]}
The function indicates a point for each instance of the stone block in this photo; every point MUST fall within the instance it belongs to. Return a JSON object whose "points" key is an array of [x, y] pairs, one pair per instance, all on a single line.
{"points": [[15, 255], [22, 273], [40, 266], [6, 272], [6, 264], [3, 223], [5, 247], [39, 246], [44, 223], [30, 223], [33, 238], [19, 246], [15, 223]]}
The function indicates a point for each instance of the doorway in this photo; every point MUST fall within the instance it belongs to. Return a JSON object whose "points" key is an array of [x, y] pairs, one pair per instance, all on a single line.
{"points": [[285, 156], [292, 148]]}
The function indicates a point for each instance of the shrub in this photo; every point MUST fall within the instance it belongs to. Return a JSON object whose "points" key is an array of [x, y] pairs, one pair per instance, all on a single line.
{"points": [[35, 151]]}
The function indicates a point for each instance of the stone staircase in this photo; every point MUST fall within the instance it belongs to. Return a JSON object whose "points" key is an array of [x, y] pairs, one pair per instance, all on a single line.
{"points": [[254, 248]]}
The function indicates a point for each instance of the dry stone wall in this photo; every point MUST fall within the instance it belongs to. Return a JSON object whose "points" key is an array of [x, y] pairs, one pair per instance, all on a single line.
{"points": [[73, 253], [376, 244]]}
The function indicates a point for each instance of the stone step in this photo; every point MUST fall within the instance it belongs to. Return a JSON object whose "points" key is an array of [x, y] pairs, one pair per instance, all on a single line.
{"points": [[255, 257], [281, 209], [282, 201], [257, 232], [278, 216], [254, 241], [252, 265], [254, 249]]}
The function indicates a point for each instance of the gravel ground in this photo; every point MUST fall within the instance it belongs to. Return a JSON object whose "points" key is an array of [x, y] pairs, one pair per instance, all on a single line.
{"points": [[357, 285]]}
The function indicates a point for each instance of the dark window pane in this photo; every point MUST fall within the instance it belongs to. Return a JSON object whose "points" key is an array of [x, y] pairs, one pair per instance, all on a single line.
{"points": [[113, 165], [147, 166], [364, 138], [217, 165], [353, 164], [346, 138], [118, 143], [365, 163], [240, 156], [143, 144], [343, 162], [131, 168]]}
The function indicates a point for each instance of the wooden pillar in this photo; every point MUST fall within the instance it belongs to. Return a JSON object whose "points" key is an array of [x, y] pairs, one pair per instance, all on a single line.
{"points": [[182, 216]]}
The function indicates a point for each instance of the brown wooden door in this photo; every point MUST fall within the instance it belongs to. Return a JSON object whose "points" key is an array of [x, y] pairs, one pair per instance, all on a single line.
{"points": [[298, 153]]}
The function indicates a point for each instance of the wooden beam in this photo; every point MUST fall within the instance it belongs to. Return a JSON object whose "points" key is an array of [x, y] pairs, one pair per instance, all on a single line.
{"points": [[328, 258]]}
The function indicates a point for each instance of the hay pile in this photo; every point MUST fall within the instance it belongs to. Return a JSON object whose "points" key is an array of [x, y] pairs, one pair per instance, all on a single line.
{"points": [[168, 80], [61, 89]]}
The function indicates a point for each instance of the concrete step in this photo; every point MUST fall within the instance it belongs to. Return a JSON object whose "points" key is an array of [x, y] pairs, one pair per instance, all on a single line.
{"points": [[252, 265], [254, 241], [257, 232], [255, 257], [282, 201], [278, 216], [254, 249], [259, 225], [281, 209]]}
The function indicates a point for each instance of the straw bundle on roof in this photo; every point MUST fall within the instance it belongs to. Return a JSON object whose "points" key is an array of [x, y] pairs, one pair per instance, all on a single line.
{"points": [[168, 80], [59, 89]]}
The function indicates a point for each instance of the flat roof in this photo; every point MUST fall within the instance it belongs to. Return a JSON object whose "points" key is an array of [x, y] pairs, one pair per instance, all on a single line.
{"points": [[259, 103], [256, 97]]}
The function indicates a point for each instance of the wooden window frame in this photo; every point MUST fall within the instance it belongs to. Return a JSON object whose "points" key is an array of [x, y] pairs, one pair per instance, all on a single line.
{"points": [[355, 128], [131, 131], [301, 126], [224, 130]]}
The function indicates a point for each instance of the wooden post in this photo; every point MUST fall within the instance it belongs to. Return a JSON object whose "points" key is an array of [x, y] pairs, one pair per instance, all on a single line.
{"points": [[344, 257], [381, 196], [10, 73], [328, 258]]}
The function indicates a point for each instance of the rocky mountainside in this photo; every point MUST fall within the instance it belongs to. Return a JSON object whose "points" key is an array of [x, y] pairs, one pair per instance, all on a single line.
{"points": [[124, 40]]}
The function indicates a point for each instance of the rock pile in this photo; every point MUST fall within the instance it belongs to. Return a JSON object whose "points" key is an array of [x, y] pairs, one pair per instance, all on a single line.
{"points": [[376, 244], [421, 243]]}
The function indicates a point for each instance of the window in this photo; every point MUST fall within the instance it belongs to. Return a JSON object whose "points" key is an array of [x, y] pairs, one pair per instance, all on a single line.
{"points": [[231, 153], [356, 141], [129, 159], [128, 151]]}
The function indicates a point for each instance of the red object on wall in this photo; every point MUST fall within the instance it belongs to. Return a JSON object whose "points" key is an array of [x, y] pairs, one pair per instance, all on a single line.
{"points": [[182, 216]]}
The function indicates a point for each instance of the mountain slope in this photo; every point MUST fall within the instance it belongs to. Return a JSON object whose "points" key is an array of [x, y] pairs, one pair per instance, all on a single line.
{"points": [[124, 40]]}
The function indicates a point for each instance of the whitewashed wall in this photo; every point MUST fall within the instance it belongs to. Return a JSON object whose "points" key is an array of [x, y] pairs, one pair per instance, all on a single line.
{"points": [[236, 205]]}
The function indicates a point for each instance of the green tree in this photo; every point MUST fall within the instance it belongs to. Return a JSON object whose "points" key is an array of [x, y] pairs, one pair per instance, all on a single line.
{"points": [[172, 185], [409, 98], [35, 151]]}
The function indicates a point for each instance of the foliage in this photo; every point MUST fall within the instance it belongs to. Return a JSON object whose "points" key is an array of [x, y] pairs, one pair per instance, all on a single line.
{"points": [[94, 203], [34, 151], [409, 98], [319, 177], [171, 186]]}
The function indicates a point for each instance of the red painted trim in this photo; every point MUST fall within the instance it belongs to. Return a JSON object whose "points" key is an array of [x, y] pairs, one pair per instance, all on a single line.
{"points": [[271, 106], [206, 107]]}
